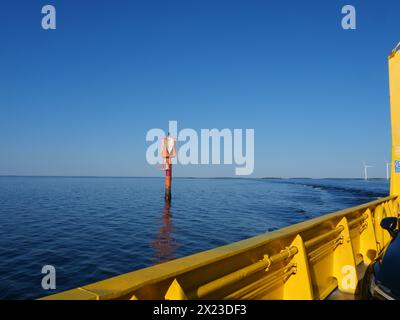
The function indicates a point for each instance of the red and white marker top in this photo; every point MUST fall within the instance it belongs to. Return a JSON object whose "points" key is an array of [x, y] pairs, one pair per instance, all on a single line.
{"points": [[168, 147]]}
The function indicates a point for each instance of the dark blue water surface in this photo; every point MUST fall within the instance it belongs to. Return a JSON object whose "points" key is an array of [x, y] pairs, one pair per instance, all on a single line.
{"points": [[94, 228]]}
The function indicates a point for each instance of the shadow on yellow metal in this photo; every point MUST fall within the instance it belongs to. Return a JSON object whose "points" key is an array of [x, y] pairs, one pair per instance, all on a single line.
{"points": [[304, 261]]}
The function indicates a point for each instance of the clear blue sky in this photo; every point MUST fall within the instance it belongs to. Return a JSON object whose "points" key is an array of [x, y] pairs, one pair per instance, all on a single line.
{"points": [[79, 100]]}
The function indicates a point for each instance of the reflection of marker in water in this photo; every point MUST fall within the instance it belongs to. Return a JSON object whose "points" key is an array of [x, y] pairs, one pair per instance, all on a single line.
{"points": [[168, 151], [163, 243]]}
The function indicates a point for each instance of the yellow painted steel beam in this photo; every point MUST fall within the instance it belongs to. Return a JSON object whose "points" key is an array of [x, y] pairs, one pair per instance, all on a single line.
{"points": [[394, 86]]}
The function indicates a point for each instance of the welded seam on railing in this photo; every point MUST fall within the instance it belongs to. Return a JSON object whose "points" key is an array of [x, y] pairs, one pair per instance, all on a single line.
{"points": [[272, 279], [325, 249], [267, 286], [314, 241], [363, 227], [353, 222], [245, 272]]}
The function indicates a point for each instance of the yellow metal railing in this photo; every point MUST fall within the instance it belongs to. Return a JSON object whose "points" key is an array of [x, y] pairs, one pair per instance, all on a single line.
{"points": [[304, 261]]}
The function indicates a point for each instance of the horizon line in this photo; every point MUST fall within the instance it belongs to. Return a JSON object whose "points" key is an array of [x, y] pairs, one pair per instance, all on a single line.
{"points": [[183, 177]]}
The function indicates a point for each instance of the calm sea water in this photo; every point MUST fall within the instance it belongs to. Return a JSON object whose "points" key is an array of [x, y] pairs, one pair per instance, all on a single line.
{"points": [[94, 228]]}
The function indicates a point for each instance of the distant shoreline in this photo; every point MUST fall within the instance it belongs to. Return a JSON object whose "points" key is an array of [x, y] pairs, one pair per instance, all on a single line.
{"points": [[188, 177]]}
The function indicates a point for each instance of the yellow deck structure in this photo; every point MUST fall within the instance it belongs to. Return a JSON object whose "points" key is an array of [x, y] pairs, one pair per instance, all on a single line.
{"points": [[309, 260]]}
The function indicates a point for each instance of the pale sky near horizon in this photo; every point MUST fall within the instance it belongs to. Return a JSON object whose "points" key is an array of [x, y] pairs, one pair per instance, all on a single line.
{"points": [[80, 99]]}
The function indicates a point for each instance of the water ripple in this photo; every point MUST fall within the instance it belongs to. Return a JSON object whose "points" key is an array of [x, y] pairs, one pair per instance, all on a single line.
{"points": [[94, 228]]}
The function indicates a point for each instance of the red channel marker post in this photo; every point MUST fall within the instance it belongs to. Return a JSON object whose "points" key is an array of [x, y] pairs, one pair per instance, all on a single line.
{"points": [[168, 152]]}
